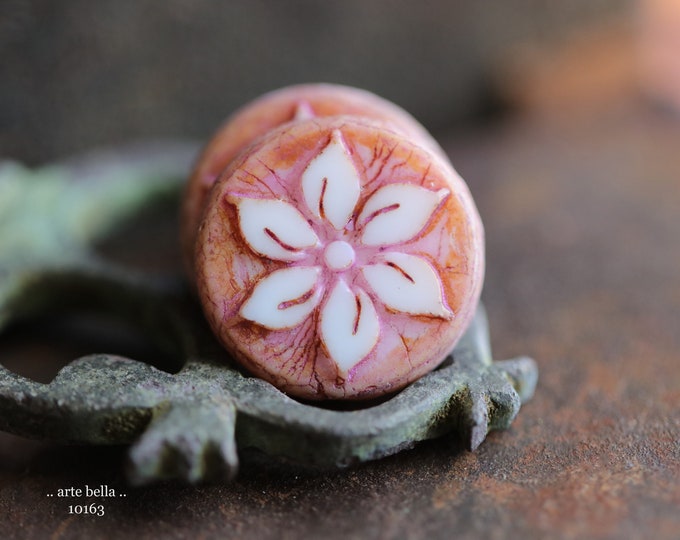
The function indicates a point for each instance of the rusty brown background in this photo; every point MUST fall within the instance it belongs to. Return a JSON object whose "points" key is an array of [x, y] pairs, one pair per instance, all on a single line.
{"points": [[579, 190]]}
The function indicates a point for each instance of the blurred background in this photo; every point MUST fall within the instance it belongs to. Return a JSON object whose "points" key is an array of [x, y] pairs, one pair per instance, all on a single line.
{"points": [[76, 74]]}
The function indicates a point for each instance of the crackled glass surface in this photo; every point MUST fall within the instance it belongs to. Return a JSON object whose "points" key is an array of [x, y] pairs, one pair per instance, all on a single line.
{"points": [[256, 119], [339, 258]]}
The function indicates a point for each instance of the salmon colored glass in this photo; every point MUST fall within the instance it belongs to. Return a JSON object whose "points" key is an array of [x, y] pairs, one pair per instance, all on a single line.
{"points": [[336, 252]]}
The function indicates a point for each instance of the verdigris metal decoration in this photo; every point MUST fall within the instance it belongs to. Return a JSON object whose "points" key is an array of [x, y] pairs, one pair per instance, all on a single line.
{"points": [[191, 425]]}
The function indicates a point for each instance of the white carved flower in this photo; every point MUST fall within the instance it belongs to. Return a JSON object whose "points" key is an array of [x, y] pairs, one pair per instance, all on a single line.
{"points": [[328, 243]]}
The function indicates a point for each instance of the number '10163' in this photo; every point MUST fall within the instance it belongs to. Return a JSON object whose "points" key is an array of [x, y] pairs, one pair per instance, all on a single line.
{"points": [[83, 509]]}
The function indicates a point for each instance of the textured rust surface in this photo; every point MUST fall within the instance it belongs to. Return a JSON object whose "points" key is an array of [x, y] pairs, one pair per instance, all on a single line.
{"points": [[582, 220]]}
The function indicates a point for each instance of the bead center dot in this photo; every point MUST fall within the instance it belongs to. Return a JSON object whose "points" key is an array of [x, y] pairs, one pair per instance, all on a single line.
{"points": [[339, 256]]}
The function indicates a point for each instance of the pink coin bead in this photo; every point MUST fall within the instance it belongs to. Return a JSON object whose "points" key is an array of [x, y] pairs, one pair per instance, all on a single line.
{"points": [[338, 256]]}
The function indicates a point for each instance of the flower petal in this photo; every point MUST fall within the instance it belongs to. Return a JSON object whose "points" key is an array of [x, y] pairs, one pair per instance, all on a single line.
{"points": [[397, 212], [284, 298], [274, 228], [349, 326], [331, 184], [408, 284], [303, 111]]}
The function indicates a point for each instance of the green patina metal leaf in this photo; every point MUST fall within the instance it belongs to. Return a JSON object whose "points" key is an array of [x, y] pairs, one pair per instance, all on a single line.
{"points": [[189, 425]]}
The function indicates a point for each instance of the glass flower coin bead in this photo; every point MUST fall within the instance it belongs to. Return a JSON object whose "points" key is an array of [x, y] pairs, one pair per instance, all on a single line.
{"points": [[339, 259]]}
